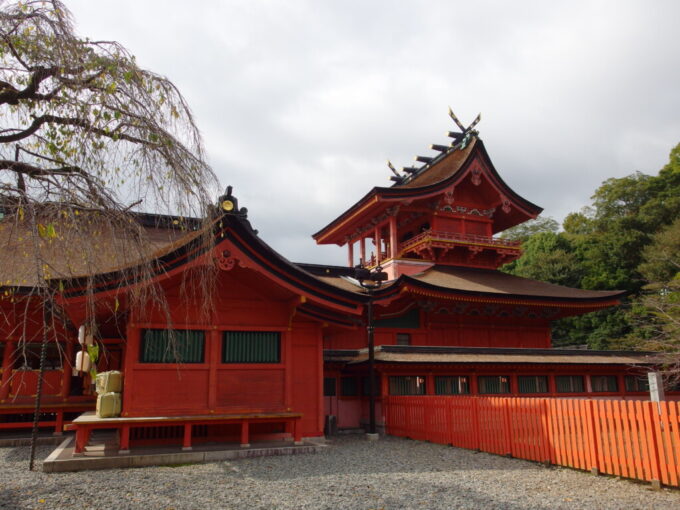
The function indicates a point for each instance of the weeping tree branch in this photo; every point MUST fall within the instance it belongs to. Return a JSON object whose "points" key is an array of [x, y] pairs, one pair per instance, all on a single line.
{"points": [[102, 140]]}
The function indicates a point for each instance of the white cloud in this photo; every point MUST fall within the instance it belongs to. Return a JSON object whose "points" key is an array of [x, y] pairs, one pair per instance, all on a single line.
{"points": [[301, 102]]}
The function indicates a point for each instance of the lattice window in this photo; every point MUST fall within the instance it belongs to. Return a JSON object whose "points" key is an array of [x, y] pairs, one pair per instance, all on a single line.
{"points": [[452, 385], [407, 385], [172, 346], [349, 387], [604, 383], [403, 339], [569, 384], [493, 384], [251, 347], [532, 383], [637, 383]]}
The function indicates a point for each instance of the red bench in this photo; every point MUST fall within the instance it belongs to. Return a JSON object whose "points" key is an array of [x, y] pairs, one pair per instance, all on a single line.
{"points": [[85, 423]]}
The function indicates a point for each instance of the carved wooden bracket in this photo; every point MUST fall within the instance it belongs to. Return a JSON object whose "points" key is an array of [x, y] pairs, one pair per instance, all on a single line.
{"points": [[476, 176], [226, 262]]}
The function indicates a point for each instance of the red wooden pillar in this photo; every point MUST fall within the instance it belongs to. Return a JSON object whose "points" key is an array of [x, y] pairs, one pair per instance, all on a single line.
{"points": [[245, 434], [474, 387], [82, 438], [131, 353], [621, 383], [124, 439], [394, 249], [552, 385], [6, 369], [69, 359], [513, 382], [376, 238], [362, 247], [350, 254], [429, 384], [287, 361], [59, 425], [186, 444]]}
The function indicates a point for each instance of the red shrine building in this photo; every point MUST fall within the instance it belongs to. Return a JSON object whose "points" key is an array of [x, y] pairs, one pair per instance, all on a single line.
{"points": [[281, 345]]}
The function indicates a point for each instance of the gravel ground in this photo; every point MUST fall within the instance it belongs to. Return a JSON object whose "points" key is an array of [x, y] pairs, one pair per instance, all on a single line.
{"points": [[351, 473]]}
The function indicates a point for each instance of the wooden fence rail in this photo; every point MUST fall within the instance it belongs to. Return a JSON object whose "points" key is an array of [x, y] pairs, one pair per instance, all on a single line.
{"points": [[633, 439]]}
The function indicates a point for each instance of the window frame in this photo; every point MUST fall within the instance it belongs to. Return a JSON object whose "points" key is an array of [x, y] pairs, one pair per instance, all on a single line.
{"points": [[355, 392], [636, 379], [223, 342], [536, 377], [418, 384], [142, 348], [400, 337], [571, 390], [55, 353], [508, 381], [457, 383], [604, 377]]}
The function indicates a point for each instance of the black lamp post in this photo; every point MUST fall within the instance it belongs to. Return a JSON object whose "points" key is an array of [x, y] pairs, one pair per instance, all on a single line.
{"points": [[370, 280]]}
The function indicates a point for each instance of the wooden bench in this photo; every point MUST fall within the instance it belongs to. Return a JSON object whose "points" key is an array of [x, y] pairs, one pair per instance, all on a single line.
{"points": [[48, 408], [85, 423]]}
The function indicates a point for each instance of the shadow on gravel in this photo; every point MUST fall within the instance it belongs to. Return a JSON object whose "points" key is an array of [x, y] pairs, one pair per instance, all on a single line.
{"points": [[18, 454], [9, 501], [352, 455]]}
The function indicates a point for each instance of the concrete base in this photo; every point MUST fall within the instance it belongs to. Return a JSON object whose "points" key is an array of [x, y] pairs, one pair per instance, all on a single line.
{"points": [[372, 437], [656, 485], [62, 459]]}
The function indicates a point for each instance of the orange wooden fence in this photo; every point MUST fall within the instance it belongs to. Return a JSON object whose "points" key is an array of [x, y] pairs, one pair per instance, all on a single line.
{"points": [[632, 439]]}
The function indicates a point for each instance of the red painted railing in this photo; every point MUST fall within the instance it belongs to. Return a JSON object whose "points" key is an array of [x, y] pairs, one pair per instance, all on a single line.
{"points": [[633, 439], [440, 235]]}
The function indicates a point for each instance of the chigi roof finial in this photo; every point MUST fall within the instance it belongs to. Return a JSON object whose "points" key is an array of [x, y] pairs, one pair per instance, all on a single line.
{"points": [[461, 139]]}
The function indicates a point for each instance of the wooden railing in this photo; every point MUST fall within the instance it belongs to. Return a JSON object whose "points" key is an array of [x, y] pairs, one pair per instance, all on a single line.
{"points": [[440, 235], [633, 439]]}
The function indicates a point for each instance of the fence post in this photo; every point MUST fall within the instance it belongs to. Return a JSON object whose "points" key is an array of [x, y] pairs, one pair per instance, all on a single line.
{"points": [[506, 426], [592, 438], [475, 421], [653, 438]]}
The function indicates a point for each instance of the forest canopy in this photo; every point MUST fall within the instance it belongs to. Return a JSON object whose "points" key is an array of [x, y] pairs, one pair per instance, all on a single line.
{"points": [[627, 239]]}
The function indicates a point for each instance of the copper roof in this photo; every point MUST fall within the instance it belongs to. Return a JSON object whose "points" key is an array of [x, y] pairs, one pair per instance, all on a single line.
{"points": [[442, 170], [412, 354], [489, 281]]}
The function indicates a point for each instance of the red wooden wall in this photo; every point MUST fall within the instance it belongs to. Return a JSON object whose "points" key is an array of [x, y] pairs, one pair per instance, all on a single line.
{"points": [[293, 384]]}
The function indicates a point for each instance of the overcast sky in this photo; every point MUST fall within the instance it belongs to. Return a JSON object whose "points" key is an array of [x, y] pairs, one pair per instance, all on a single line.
{"points": [[301, 103]]}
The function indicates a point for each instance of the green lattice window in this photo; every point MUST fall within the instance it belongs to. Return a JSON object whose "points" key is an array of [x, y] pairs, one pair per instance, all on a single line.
{"points": [[493, 384], [172, 346], [569, 384], [407, 385], [251, 347], [604, 383], [452, 385], [637, 383], [532, 383]]}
